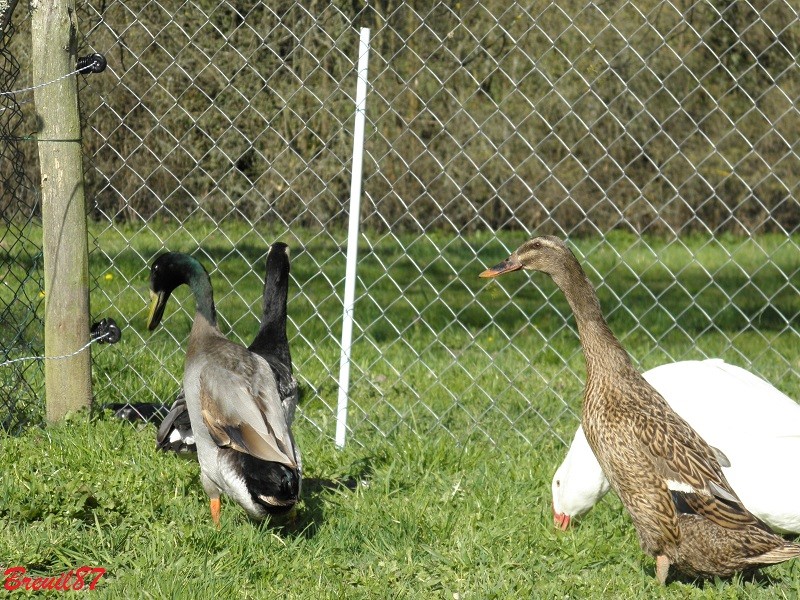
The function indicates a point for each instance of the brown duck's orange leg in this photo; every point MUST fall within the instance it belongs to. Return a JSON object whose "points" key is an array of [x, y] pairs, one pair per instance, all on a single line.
{"points": [[662, 568], [215, 510]]}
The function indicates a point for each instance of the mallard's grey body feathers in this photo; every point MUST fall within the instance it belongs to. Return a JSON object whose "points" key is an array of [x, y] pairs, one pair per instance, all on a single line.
{"points": [[248, 430]]}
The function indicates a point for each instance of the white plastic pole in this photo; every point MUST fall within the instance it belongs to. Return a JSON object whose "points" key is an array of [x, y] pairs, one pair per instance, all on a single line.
{"points": [[352, 238]]}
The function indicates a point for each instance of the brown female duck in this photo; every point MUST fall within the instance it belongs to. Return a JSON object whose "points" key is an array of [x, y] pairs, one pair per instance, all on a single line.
{"points": [[668, 478]]}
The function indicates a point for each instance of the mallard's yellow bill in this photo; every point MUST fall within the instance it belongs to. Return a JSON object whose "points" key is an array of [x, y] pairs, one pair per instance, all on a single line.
{"points": [[157, 304]]}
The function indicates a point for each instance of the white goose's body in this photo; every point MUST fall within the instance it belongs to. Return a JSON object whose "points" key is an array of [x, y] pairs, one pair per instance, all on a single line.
{"points": [[766, 479], [755, 425]]}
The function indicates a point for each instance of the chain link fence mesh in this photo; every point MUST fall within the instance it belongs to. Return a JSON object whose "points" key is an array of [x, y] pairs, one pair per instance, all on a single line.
{"points": [[21, 325], [220, 127]]}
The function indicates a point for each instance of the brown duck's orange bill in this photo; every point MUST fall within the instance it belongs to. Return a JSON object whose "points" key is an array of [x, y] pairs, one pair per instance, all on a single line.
{"points": [[508, 265]]}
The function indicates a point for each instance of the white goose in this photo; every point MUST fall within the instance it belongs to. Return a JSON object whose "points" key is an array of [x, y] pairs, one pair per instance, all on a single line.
{"points": [[755, 425]]}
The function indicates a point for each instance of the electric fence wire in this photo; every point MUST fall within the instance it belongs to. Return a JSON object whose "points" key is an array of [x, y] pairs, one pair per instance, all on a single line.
{"points": [[103, 332]]}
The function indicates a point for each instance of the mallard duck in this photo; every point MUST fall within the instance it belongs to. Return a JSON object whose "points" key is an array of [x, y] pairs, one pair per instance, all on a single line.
{"points": [[271, 343], [241, 427], [646, 450], [754, 424]]}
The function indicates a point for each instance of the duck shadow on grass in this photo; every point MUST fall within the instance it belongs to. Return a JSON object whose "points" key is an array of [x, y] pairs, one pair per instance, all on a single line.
{"points": [[306, 519], [757, 578]]}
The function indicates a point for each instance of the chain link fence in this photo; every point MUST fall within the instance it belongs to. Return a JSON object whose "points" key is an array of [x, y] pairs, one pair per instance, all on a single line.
{"points": [[661, 137], [21, 325]]}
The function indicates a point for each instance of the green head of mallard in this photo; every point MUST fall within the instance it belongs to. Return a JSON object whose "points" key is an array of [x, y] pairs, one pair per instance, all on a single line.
{"points": [[169, 271]]}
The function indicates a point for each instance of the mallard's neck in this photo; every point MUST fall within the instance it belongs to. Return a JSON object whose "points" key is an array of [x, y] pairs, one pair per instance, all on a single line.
{"points": [[601, 348], [204, 325], [199, 282]]}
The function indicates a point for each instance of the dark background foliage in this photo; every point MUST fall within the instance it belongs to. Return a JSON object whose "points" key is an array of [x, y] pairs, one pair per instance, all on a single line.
{"points": [[656, 116]]}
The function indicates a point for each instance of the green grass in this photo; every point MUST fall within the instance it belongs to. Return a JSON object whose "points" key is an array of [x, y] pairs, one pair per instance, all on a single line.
{"points": [[435, 346], [504, 343], [426, 518], [443, 511]]}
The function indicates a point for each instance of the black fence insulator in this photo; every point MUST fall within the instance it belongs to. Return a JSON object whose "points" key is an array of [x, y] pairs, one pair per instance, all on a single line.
{"points": [[106, 332], [94, 63]]}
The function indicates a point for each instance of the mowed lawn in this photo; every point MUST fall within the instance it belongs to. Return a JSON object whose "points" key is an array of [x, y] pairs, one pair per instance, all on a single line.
{"points": [[443, 490]]}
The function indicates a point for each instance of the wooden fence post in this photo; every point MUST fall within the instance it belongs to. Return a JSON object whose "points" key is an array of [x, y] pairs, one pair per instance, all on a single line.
{"points": [[68, 382]]}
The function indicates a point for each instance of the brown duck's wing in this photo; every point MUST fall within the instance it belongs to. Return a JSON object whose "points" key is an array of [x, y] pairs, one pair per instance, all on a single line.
{"points": [[688, 464], [725, 514], [242, 409]]}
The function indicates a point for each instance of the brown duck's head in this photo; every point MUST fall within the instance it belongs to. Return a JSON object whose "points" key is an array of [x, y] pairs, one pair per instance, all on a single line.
{"points": [[547, 254]]}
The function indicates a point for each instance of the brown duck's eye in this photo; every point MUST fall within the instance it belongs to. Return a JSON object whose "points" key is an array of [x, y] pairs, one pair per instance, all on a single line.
{"points": [[537, 245]]}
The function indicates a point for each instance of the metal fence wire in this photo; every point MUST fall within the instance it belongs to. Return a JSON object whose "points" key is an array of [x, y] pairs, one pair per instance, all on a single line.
{"points": [[659, 119], [21, 324]]}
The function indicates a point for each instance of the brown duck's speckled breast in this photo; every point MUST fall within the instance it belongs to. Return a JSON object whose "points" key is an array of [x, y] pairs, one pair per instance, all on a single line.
{"points": [[611, 414]]}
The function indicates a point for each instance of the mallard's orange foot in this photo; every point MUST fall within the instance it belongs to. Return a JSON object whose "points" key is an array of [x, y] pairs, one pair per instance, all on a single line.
{"points": [[216, 506]]}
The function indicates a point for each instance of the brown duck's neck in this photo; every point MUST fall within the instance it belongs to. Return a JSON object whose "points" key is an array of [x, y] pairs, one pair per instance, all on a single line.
{"points": [[601, 348]]}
